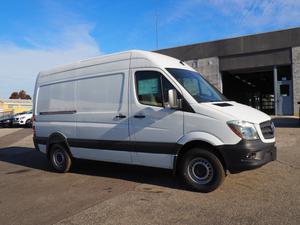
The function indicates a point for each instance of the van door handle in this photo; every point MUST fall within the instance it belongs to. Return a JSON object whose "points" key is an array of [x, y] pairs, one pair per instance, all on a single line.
{"points": [[139, 116], [120, 116]]}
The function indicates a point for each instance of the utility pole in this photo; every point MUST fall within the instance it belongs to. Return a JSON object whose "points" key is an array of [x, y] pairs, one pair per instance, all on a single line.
{"points": [[156, 28]]}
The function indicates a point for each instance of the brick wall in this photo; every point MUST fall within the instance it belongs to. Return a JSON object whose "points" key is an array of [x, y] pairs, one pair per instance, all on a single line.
{"points": [[296, 78]]}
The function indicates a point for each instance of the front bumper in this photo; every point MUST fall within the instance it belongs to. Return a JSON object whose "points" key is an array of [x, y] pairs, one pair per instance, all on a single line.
{"points": [[247, 155], [16, 122], [19, 122]]}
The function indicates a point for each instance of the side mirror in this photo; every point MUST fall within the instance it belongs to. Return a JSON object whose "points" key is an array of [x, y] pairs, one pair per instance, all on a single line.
{"points": [[174, 102]]}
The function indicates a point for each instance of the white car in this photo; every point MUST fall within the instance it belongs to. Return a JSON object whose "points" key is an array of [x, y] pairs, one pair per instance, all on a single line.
{"points": [[23, 119], [147, 109]]}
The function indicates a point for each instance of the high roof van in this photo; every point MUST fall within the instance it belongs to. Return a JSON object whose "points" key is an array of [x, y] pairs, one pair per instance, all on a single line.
{"points": [[147, 109]]}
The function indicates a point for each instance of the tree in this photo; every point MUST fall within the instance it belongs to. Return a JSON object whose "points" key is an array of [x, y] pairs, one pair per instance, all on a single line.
{"points": [[22, 94], [19, 95], [14, 95]]}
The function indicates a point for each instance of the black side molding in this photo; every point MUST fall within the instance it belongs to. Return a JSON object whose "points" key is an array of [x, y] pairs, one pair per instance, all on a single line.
{"points": [[132, 146], [58, 112]]}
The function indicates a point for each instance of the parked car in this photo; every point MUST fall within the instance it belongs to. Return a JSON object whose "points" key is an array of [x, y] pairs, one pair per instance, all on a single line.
{"points": [[8, 122], [23, 119], [147, 109], [5, 118]]}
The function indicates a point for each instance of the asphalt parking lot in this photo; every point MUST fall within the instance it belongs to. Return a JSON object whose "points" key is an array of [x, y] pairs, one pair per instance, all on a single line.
{"points": [[102, 193]]}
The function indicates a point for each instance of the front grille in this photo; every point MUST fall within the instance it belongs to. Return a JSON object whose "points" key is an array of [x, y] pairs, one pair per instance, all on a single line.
{"points": [[267, 129]]}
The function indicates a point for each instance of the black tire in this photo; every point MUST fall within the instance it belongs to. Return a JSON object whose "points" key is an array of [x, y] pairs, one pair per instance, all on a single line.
{"points": [[201, 170], [8, 125], [60, 158], [28, 123]]}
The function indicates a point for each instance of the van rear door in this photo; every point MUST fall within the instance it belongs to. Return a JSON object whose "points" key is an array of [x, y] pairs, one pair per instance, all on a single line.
{"points": [[55, 109]]}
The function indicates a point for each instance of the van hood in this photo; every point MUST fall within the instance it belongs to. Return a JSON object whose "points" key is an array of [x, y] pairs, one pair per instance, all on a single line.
{"points": [[239, 111]]}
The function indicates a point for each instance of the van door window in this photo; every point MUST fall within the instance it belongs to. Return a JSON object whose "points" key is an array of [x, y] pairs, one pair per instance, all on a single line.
{"points": [[148, 88], [153, 88]]}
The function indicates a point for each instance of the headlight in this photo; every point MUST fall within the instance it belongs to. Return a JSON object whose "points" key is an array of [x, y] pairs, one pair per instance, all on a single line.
{"points": [[243, 129], [23, 117]]}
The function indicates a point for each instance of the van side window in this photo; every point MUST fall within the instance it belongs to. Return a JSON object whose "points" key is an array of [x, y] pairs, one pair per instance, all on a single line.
{"points": [[53, 97], [96, 94], [148, 88]]}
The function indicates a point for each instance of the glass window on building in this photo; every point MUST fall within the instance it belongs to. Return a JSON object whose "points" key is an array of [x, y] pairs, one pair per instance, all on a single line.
{"points": [[284, 73]]}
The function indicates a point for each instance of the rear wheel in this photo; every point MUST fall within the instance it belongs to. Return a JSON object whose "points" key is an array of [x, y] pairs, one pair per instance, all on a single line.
{"points": [[202, 170], [60, 158]]}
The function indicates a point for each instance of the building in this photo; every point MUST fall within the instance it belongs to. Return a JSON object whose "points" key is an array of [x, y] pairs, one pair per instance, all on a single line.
{"points": [[10, 107], [261, 70]]}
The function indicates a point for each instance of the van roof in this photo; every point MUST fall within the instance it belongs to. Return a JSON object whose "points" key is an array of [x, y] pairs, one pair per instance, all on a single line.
{"points": [[155, 59]]}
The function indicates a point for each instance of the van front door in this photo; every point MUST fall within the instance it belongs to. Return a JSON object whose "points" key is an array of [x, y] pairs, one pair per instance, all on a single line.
{"points": [[154, 127]]}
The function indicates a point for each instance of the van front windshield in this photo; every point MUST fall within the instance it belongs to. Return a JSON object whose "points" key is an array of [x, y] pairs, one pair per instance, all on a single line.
{"points": [[196, 85]]}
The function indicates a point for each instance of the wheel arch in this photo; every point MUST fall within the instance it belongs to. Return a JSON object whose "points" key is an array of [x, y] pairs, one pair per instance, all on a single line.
{"points": [[197, 144], [57, 138]]}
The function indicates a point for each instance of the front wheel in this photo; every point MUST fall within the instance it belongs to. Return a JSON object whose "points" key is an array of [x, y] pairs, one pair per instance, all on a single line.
{"points": [[28, 123], [202, 170], [60, 158]]}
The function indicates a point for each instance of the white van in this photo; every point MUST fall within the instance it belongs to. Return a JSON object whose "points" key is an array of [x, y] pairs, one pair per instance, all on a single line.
{"points": [[147, 109]]}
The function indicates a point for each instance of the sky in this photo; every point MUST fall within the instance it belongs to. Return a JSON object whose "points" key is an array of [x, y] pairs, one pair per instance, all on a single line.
{"points": [[40, 34]]}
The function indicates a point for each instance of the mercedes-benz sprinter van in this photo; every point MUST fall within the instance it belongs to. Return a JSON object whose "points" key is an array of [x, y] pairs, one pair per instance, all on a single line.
{"points": [[144, 108]]}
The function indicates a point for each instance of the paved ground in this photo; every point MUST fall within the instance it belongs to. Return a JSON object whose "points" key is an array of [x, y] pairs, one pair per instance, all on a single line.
{"points": [[100, 193]]}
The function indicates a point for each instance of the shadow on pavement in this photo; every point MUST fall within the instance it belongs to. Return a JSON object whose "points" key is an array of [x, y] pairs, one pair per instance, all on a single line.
{"points": [[29, 157]]}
